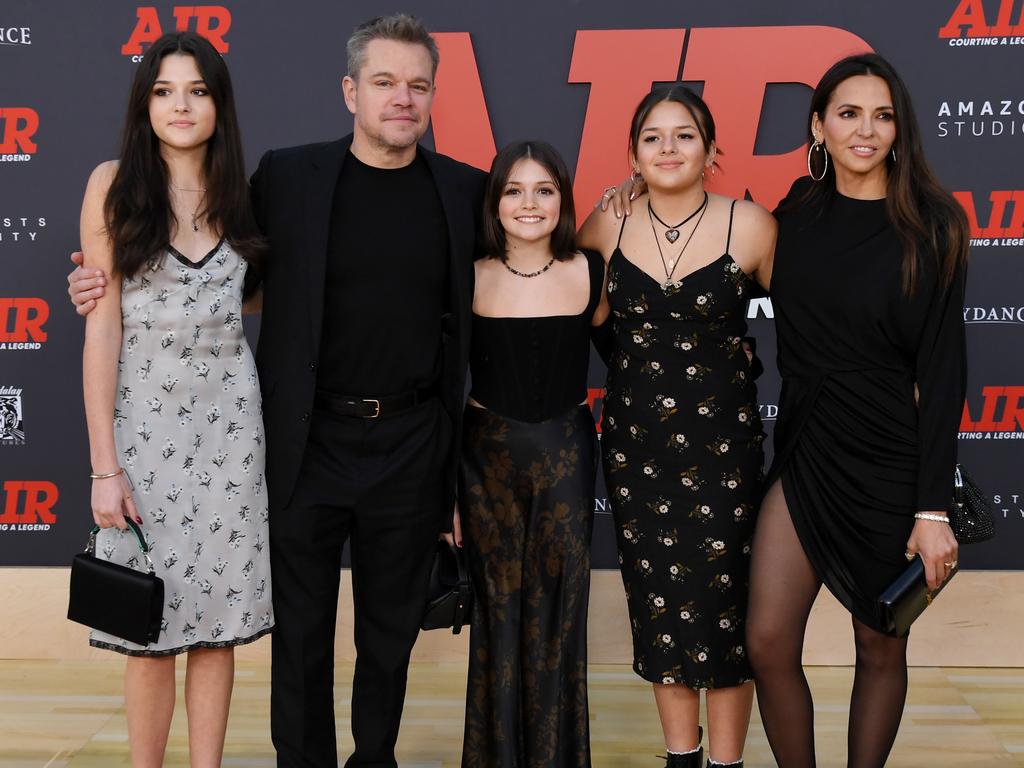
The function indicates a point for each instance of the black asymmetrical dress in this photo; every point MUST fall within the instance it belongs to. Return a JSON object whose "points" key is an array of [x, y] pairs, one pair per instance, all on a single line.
{"points": [[856, 457], [682, 447], [526, 497]]}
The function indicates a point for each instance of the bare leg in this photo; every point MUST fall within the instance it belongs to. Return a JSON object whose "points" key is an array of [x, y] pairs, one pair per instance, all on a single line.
{"points": [[149, 701], [728, 721], [783, 586], [208, 680], [679, 710], [879, 692]]}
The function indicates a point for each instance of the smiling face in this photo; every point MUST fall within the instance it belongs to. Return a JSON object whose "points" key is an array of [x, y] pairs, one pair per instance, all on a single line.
{"points": [[858, 128], [669, 151], [392, 95], [530, 203], [181, 109]]}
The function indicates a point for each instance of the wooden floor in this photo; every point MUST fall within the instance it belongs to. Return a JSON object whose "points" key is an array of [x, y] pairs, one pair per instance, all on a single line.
{"points": [[71, 713]]}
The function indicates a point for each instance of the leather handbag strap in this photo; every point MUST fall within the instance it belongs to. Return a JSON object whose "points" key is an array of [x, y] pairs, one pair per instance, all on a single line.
{"points": [[90, 548]]}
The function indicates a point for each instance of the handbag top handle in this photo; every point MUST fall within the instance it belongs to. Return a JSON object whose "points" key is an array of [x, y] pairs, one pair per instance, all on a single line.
{"points": [[90, 548]]}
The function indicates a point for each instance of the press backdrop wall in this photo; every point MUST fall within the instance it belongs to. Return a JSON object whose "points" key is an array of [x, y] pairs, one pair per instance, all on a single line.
{"points": [[567, 72]]}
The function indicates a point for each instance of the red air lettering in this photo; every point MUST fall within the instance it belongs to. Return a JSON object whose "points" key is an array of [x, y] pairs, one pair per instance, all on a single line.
{"points": [[459, 117], [1000, 199], [595, 396], [771, 55], [21, 320], [971, 14], [19, 126], [212, 22], [29, 502], [992, 397], [147, 30]]}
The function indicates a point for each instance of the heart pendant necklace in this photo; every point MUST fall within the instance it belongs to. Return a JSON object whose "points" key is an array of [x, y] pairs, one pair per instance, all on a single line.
{"points": [[672, 231], [670, 265]]}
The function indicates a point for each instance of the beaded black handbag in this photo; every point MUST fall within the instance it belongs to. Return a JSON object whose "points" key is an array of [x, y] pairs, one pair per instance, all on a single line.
{"points": [[970, 515]]}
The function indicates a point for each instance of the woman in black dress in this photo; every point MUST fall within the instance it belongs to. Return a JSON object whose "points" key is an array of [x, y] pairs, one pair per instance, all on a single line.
{"points": [[526, 494], [868, 296], [681, 437]]}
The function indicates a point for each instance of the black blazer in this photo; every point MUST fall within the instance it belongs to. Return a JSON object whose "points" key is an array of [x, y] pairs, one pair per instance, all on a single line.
{"points": [[293, 191]]}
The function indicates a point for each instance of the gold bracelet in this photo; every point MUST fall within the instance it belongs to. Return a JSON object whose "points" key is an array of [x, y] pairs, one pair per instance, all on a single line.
{"points": [[94, 476], [933, 518]]}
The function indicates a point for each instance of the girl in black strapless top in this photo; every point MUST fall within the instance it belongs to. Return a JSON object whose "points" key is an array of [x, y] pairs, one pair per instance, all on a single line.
{"points": [[868, 296], [526, 486]]}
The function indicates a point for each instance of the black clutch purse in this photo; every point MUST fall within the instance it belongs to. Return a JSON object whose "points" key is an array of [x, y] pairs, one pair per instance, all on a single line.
{"points": [[970, 515], [115, 599], [906, 598], [450, 597], [970, 518]]}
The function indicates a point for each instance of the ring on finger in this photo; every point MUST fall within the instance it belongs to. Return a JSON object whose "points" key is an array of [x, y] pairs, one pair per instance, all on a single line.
{"points": [[951, 565], [609, 191], [909, 555]]}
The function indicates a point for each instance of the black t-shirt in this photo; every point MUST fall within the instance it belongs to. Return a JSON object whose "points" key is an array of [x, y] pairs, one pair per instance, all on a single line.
{"points": [[386, 284]]}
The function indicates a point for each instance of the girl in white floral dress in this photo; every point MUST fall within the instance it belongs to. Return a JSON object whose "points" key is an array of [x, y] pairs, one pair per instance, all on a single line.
{"points": [[171, 393]]}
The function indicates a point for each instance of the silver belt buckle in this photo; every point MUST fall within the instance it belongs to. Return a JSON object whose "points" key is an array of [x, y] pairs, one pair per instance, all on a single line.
{"points": [[376, 405]]}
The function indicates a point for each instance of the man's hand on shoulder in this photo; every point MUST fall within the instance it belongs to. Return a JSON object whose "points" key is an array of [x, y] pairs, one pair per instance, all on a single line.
{"points": [[85, 286]]}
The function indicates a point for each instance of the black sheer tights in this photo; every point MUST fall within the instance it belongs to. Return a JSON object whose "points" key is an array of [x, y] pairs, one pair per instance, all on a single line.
{"points": [[783, 586]]}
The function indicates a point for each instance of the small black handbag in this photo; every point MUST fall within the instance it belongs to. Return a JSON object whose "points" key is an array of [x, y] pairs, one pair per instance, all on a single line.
{"points": [[113, 598], [450, 593], [970, 515]]}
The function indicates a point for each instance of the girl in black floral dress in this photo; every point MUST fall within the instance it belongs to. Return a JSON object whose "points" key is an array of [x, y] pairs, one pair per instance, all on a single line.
{"points": [[681, 433]]}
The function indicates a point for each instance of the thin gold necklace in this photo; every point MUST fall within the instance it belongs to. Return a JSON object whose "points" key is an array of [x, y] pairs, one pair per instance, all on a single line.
{"points": [[195, 211]]}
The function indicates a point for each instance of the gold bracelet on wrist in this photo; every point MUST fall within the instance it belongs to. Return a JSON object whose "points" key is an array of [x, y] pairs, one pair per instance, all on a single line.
{"points": [[104, 476], [933, 518]]}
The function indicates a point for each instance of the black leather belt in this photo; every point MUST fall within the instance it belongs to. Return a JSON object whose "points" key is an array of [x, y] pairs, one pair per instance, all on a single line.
{"points": [[373, 407]]}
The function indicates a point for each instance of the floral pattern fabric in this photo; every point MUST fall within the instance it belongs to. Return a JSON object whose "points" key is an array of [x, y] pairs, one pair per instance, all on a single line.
{"points": [[189, 431], [527, 503], [683, 459]]}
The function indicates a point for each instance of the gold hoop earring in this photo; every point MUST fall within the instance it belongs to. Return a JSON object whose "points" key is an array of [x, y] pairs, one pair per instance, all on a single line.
{"points": [[894, 154], [819, 148], [636, 177]]}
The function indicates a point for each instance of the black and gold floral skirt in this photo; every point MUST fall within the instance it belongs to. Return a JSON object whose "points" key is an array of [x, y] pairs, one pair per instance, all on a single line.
{"points": [[526, 500]]}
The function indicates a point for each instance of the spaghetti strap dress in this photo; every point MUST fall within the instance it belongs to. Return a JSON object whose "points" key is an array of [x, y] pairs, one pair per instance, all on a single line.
{"points": [[856, 455], [682, 449]]}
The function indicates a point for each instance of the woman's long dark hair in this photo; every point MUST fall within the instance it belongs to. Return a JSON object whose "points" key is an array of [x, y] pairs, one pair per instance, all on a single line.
{"points": [[563, 239], [138, 214], [924, 214]]}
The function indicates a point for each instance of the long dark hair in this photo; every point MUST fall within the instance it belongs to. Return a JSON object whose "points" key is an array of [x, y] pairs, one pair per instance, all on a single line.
{"points": [[138, 209], [680, 94], [563, 239], [924, 214]]}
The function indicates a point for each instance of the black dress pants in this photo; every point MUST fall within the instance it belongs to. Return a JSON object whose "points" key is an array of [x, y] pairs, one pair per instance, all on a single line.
{"points": [[378, 483]]}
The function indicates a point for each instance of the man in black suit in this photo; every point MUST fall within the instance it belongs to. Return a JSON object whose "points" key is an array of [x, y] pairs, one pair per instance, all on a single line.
{"points": [[362, 357]]}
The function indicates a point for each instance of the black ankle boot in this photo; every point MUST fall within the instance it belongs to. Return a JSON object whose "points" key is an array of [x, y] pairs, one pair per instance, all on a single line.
{"points": [[689, 760], [713, 764], [693, 759]]}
